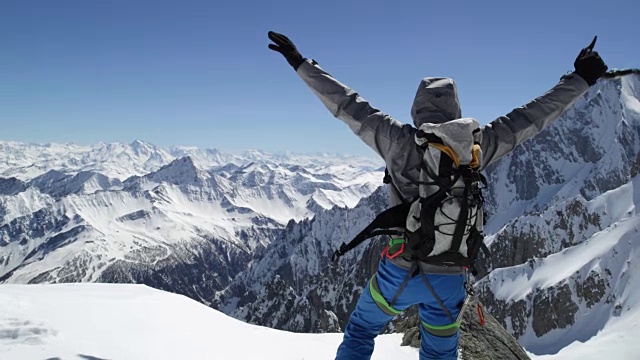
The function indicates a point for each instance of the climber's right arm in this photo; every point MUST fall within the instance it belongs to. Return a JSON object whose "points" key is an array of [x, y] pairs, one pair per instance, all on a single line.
{"points": [[379, 131]]}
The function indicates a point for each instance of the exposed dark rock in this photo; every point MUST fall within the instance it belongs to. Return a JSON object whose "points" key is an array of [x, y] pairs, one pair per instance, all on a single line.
{"points": [[602, 183], [477, 342], [11, 186], [635, 168], [58, 184], [593, 289], [34, 225], [328, 322], [136, 215], [513, 246], [196, 270], [525, 238], [74, 270], [523, 175], [286, 289], [44, 278], [511, 315], [56, 241], [553, 308]]}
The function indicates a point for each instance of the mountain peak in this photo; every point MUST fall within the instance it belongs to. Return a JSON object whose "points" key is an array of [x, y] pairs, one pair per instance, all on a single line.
{"points": [[181, 171], [49, 178], [138, 142], [58, 184], [142, 148], [11, 186]]}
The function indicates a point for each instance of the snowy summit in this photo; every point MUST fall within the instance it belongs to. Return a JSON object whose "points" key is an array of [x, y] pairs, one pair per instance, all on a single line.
{"points": [[134, 322]]}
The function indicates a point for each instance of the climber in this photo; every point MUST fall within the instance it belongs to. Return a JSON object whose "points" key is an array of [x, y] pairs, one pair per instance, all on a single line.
{"points": [[434, 166]]}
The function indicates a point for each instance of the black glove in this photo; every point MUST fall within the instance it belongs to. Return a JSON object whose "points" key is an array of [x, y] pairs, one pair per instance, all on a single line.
{"points": [[589, 65], [285, 47]]}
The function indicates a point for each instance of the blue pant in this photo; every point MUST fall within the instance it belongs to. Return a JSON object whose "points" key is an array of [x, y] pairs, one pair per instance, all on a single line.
{"points": [[368, 319]]}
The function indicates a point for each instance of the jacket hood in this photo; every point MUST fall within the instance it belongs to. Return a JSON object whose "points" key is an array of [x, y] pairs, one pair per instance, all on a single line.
{"points": [[436, 102]]}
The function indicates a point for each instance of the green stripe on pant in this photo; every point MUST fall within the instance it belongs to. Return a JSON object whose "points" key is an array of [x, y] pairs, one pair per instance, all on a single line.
{"points": [[442, 330], [379, 299]]}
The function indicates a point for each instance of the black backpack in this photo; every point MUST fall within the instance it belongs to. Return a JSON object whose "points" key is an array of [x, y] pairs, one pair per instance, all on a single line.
{"points": [[443, 225]]}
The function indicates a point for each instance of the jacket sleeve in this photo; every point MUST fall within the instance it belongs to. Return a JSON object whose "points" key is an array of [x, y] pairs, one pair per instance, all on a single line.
{"points": [[503, 134], [379, 131]]}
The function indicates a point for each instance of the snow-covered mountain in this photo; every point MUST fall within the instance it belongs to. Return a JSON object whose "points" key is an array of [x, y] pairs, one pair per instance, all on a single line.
{"points": [[121, 161], [117, 160], [564, 223], [589, 151], [185, 227], [294, 285]]}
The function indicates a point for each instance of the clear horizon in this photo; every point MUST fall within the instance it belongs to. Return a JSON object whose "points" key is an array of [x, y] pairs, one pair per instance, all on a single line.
{"points": [[200, 74]]}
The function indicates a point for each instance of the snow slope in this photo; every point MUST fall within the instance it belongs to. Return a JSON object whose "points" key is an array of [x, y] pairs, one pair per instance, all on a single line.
{"points": [[134, 322], [594, 283]]}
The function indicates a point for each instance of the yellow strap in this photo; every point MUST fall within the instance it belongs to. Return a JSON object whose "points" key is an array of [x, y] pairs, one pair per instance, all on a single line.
{"points": [[475, 154], [447, 150]]}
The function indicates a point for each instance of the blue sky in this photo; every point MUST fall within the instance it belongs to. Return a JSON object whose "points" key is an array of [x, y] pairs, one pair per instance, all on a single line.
{"points": [[199, 73]]}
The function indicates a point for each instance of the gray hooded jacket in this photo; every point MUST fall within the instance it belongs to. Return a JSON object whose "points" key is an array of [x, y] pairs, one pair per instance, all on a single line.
{"points": [[436, 101]]}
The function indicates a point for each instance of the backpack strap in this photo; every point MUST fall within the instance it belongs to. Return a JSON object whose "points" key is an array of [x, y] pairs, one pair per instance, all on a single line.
{"points": [[461, 224], [442, 330], [444, 181], [394, 217], [389, 180]]}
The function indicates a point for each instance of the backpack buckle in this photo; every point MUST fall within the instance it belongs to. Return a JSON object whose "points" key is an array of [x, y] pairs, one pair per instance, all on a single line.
{"points": [[393, 250]]}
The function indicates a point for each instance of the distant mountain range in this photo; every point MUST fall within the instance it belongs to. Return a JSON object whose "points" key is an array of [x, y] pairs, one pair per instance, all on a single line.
{"points": [[188, 225]]}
